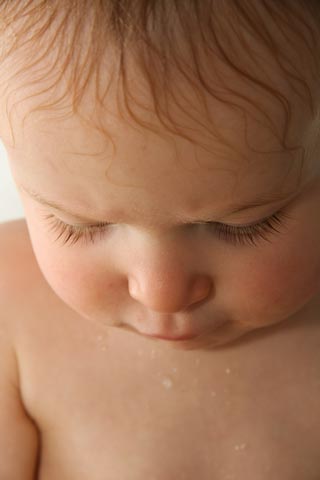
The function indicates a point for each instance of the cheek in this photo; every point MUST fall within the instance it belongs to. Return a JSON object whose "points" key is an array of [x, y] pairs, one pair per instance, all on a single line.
{"points": [[276, 285], [82, 284], [87, 287], [91, 287]]}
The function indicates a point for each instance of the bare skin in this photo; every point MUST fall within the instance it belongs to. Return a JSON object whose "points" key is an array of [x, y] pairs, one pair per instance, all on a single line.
{"points": [[109, 404]]}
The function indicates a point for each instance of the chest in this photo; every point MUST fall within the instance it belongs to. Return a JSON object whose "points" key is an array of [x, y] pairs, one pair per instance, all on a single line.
{"points": [[120, 411]]}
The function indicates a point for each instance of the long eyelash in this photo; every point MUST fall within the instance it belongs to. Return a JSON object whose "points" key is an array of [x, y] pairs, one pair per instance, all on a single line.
{"points": [[251, 234], [72, 233], [242, 235]]}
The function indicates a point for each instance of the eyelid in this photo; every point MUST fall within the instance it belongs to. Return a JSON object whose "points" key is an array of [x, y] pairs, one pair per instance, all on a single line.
{"points": [[245, 235], [207, 222], [271, 209], [268, 211], [86, 225]]}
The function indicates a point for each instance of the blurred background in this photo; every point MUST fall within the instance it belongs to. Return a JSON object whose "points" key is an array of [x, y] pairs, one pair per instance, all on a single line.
{"points": [[10, 204]]}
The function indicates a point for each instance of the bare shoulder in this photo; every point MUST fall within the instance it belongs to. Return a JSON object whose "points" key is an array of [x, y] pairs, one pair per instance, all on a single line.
{"points": [[13, 258], [16, 257], [19, 439], [21, 280], [15, 246]]}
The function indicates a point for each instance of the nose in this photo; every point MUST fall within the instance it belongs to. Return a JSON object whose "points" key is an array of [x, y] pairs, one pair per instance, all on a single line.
{"points": [[168, 292], [164, 282]]}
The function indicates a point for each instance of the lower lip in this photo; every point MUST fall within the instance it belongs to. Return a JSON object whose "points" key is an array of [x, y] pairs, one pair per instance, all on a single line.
{"points": [[172, 339]]}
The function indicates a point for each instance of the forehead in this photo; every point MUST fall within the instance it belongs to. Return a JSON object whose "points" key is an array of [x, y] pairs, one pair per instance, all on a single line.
{"points": [[232, 149], [77, 163]]}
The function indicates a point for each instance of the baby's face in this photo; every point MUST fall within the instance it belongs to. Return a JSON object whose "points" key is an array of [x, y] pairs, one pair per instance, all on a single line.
{"points": [[156, 270]]}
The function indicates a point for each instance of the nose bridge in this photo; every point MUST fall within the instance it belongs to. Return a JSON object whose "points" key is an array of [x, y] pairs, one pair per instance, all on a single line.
{"points": [[162, 274], [165, 254]]}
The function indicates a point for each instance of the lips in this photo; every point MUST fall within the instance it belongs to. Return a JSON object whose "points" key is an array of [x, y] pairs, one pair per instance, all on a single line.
{"points": [[162, 334]]}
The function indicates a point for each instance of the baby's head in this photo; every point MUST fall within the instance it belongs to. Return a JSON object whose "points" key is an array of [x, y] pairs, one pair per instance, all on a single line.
{"points": [[166, 157]]}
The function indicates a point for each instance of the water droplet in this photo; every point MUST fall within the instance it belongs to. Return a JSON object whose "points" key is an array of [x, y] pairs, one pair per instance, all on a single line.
{"points": [[213, 394], [101, 340], [228, 371], [167, 383], [174, 369], [242, 446]]}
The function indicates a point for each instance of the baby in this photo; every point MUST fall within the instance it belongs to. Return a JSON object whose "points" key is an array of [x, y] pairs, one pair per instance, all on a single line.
{"points": [[160, 302]]}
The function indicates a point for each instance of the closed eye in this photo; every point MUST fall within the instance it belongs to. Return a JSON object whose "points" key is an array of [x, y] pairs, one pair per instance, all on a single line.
{"points": [[237, 235]]}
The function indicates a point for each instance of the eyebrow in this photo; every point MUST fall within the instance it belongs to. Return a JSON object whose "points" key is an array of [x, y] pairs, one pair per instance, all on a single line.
{"points": [[259, 201]]}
